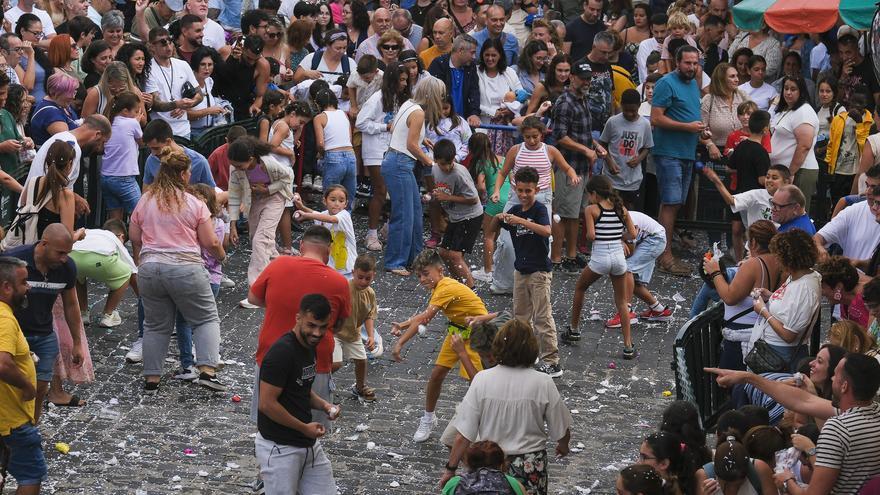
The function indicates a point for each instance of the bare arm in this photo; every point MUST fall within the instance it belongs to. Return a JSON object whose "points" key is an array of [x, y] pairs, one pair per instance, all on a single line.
{"points": [[865, 162], [56, 127], [320, 122], [570, 144], [557, 159], [414, 123], [804, 136], [90, 104], [208, 240], [659, 119], [722, 190], [787, 396], [10, 374]]}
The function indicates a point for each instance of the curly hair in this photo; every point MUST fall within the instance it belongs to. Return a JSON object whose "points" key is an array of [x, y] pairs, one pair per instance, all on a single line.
{"points": [[838, 270], [515, 345], [795, 250], [641, 478], [124, 55], [169, 187]]}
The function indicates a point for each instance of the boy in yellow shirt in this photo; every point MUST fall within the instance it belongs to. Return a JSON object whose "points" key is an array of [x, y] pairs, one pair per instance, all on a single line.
{"points": [[458, 303]]}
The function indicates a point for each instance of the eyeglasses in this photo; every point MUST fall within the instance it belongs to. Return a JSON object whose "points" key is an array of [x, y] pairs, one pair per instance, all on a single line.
{"points": [[391, 47], [777, 206], [162, 41], [645, 457], [16, 49], [273, 35], [37, 34]]}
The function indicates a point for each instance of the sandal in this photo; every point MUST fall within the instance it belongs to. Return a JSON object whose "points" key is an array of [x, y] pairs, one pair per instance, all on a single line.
{"points": [[401, 272], [629, 352], [74, 401], [365, 394], [675, 267]]}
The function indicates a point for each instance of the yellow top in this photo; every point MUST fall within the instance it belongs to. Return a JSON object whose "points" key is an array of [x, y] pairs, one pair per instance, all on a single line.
{"points": [[14, 412], [456, 301], [430, 53], [363, 308]]}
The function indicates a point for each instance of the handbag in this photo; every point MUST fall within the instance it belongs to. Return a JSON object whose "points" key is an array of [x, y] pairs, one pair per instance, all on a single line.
{"points": [[763, 359], [23, 229], [188, 91]]}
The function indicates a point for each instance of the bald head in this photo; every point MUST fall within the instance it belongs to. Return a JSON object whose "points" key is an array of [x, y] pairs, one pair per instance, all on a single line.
{"points": [[54, 247], [444, 32], [56, 232], [381, 21]]}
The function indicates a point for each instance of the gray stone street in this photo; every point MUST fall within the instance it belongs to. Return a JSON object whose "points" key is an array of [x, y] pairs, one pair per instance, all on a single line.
{"points": [[188, 440]]}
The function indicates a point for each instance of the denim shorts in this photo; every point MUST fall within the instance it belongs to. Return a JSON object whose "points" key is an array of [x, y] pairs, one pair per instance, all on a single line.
{"points": [[608, 258], [26, 462], [46, 348], [120, 192], [641, 263], [673, 179]]}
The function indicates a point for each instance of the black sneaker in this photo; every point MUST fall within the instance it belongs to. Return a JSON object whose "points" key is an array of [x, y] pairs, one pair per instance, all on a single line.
{"points": [[569, 266], [569, 334], [151, 387], [582, 260], [629, 352], [554, 370], [211, 382], [364, 190]]}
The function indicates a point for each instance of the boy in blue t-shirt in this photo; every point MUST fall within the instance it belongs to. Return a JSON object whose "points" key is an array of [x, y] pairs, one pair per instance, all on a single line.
{"points": [[529, 227]]}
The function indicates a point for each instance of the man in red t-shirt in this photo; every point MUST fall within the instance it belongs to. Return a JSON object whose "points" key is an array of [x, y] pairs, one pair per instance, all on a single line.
{"points": [[279, 289], [219, 162]]}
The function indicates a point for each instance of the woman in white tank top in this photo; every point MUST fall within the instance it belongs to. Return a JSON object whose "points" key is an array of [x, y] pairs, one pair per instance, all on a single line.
{"points": [[333, 140], [405, 228], [282, 138]]}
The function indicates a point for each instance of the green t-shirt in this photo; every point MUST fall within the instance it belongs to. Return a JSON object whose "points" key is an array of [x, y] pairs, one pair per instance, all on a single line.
{"points": [[9, 162], [452, 484], [491, 174]]}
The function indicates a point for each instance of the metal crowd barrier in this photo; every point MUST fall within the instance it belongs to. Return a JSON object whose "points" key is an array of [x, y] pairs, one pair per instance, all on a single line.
{"points": [[697, 346]]}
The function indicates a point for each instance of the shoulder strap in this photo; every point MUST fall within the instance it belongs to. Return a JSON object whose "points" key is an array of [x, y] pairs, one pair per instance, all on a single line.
{"points": [[514, 484], [753, 476], [764, 271], [316, 59], [345, 67]]}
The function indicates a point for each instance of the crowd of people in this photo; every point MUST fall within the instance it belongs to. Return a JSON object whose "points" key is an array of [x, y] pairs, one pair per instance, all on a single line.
{"points": [[569, 137]]}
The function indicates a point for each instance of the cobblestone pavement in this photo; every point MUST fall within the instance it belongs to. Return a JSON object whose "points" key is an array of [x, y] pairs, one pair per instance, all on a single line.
{"points": [[125, 442]]}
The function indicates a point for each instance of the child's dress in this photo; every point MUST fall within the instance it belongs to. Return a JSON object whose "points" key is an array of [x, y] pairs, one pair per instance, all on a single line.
{"points": [[288, 143], [459, 135], [343, 250]]}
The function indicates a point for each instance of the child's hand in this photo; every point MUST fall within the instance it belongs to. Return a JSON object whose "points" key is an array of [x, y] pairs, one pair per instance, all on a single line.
{"points": [[495, 197], [259, 190], [395, 329], [395, 351], [333, 411], [458, 344], [544, 107], [612, 167], [601, 152], [440, 195], [371, 344], [634, 162]]}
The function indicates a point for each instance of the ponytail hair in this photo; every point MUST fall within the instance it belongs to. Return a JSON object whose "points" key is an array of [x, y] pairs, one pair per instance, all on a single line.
{"points": [[602, 187], [58, 160], [247, 147], [121, 102], [326, 99]]}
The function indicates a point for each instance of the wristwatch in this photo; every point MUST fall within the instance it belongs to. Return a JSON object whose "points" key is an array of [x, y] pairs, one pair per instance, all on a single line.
{"points": [[811, 452]]}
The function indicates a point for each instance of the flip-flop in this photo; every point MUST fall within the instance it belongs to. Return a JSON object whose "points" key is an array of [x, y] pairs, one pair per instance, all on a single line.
{"points": [[75, 401]]}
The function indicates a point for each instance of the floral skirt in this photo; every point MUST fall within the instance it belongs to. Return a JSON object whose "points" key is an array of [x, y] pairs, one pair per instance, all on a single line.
{"points": [[531, 470], [64, 367]]}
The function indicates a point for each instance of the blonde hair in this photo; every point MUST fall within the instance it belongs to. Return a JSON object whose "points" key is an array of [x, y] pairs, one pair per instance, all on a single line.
{"points": [[428, 94], [391, 35], [678, 20], [169, 188], [718, 86], [115, 71], [851, 336]]}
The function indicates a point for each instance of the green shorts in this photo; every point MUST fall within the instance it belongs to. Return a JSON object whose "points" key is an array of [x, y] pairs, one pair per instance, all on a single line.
{"points": [[108, 269]]}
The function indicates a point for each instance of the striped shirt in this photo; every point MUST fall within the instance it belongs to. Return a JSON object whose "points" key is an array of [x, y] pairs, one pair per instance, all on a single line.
{"points": [[538, 159], [850, 443], [608, 226]]}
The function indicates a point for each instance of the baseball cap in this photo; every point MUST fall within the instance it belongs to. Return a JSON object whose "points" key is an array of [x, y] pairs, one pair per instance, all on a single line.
{"points": [[582, 69], [175, 5], [847, 30]]}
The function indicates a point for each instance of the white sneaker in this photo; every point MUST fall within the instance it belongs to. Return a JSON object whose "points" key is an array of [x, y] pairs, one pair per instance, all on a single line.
{"points": [[247, 305], [111, 320], [318, 184], [226, 282], [307, 181], [426, 426], [482, 275], [136, 354], [190, 374]]}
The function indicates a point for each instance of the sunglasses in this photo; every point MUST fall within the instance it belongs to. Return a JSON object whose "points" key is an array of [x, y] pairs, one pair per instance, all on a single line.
{"points": [[273, 35], [162, 41], [391, 47]]}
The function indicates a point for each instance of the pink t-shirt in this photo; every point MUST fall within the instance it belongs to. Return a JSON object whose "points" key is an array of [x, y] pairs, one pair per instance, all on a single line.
{"points": [[336, 10], [170, 237]]}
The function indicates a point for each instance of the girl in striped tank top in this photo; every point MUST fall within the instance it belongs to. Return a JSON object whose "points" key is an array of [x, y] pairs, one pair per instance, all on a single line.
{"points": [[608, 224]]}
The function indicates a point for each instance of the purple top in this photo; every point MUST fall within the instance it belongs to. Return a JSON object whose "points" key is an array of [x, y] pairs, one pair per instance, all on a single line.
{"points": [[258, 175], [215, 269]]}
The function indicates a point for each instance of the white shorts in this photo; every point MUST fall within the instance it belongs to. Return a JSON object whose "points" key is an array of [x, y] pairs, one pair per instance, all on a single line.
{"points": [[608, 258], [345, 350]]}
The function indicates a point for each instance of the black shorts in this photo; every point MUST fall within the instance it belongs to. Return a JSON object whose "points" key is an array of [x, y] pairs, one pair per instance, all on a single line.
{"points": [[461, 236]]}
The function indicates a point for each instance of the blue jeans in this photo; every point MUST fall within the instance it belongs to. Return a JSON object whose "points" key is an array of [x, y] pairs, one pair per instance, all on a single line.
{"points": [[405, 225], [704, 297], [230, 17], [120, 192], [46, 348], [340, 167], [26, 462], [184, 336], [674, 179]]}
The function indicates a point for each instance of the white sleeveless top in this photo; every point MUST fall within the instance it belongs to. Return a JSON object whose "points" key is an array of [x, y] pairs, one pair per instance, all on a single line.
{"points": [[399, 129], [538, 159], [287, 143], [337, 133]]}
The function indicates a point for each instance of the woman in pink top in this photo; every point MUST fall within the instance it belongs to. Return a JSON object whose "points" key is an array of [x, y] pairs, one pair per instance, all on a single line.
{"points": [[168, 229], [841, 284]]}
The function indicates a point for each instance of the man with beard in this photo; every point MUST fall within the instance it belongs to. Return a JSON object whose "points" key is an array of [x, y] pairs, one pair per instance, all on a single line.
{"points": [[580, 31], [192, 30], [18, 382], [845, 457], [287, 435], [50, 272], [572, 126], [86, 139], [675, 115], [245, 67], [215, 37], [168, 76]]}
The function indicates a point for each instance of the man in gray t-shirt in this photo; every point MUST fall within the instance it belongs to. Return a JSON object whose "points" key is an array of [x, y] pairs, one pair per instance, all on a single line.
{"points": [[627, 137]]}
